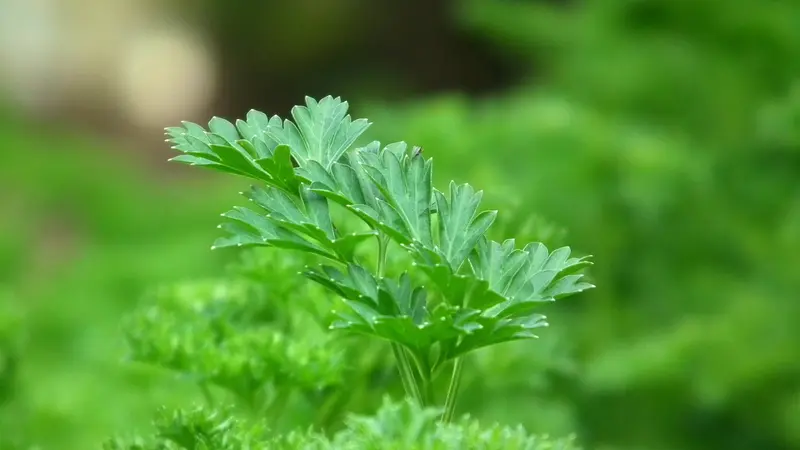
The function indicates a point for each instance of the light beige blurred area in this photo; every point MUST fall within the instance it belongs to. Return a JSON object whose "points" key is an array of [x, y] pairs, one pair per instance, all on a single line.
{"points": [[128, 61]]}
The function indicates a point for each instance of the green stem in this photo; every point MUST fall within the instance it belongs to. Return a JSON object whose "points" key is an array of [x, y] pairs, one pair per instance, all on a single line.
{"points": [[383, 242], [404, 366], [452, 391], [425, 378], [406, 374], [329, 409]]}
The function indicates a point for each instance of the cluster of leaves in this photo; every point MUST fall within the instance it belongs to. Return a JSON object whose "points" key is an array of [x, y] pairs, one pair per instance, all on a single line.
{"points": [[479, 292], [233, 334], [395, 426], [69, 269], [199, 428], [245, 337]]}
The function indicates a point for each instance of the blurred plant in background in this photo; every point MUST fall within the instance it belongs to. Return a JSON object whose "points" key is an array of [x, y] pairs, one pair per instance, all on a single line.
{"points": [[661, 136], [258, 337]]}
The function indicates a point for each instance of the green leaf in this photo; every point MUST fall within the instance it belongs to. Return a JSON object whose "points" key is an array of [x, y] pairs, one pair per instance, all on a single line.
{"points": [[310, 211], [341, 185], [238, 235], [258, 122], [387, 220], [222, 127], [321, 132], [347, 182], [279, 167], [299, 223], [240, 161], [248, 228], [496, 331], [460, 227], [248, 132], [504, 286], [369, 191], [499, 265], [326, 130], [392, 309], [194, 129], [405, 183], [193, 160], [190, 144], [224, 150], [410, 301]]}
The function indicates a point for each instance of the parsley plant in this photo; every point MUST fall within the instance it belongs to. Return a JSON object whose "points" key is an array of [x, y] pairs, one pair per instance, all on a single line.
{"points": [[316, 193]]}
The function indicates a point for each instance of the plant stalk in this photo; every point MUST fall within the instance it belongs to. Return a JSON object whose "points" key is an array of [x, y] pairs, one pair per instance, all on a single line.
{"points": [[452, 391], [410, 383], [383, 242], [406, 374], [425, 385], [329, 409]]}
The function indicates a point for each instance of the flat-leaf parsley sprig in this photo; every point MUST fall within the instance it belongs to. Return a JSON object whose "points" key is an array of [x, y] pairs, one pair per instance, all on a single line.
{"points": [[480, 292]]}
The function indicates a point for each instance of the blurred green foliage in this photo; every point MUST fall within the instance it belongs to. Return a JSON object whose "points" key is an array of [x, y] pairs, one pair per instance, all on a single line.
{"points": [[661, 136], [258, 337], [395, 426], [86, 232]]}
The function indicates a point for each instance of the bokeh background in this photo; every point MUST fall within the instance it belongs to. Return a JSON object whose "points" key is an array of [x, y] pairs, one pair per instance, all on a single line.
{"points": [[661, 136]]}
